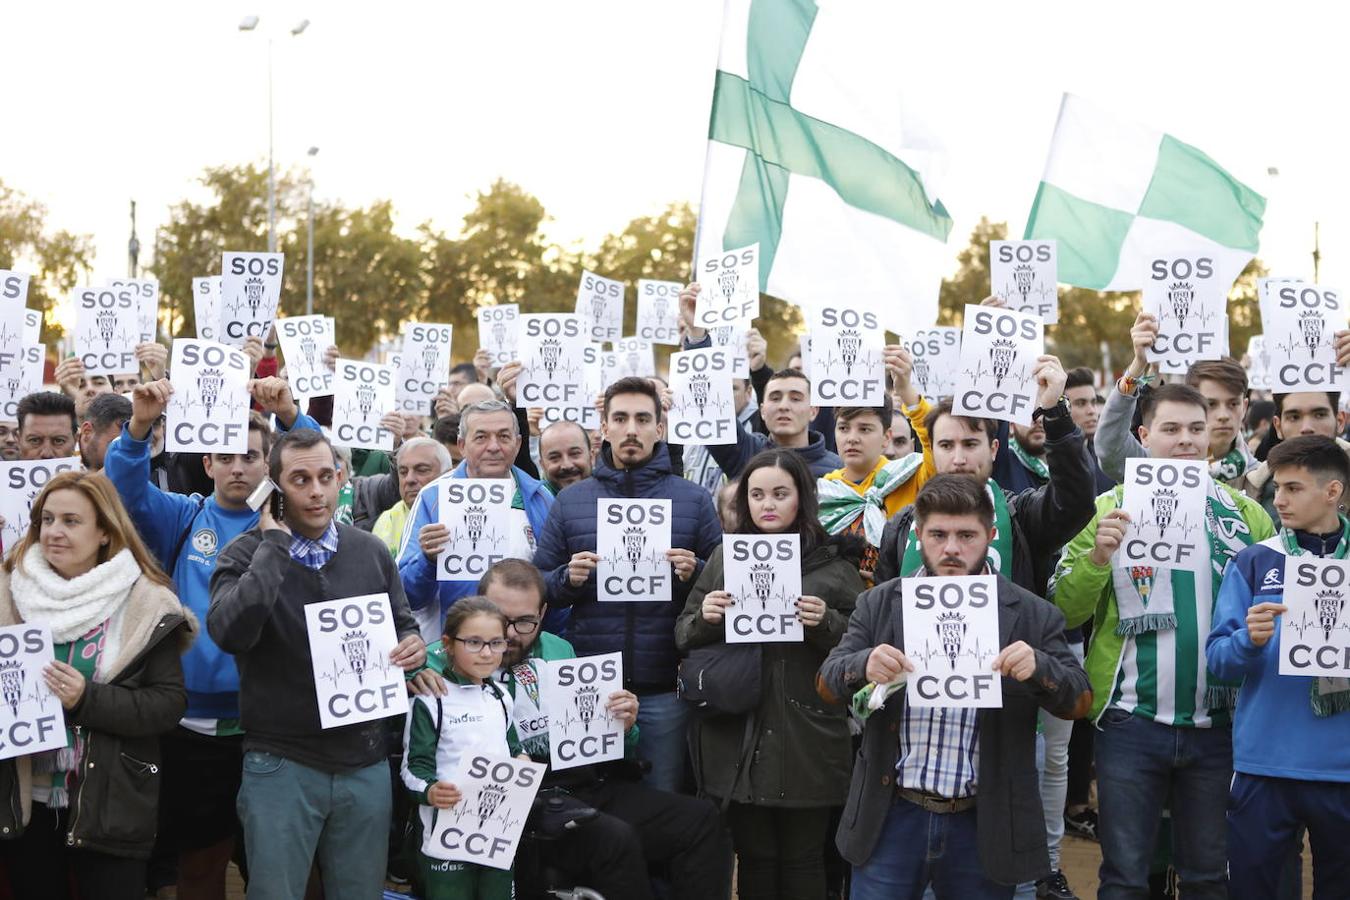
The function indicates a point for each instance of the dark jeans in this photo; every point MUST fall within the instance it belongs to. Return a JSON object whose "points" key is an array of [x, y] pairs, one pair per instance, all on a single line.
{"points": [[918, 848], [780, 852], [1140, 764], [637, 825], [1080, 764], [1264, 815], [42, 867]]}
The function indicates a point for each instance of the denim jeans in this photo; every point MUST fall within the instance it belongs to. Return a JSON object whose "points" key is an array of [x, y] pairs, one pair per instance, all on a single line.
{"points": [[661, 724], [916, 848], [1264, 819], [1140, 764], [292, 813]]}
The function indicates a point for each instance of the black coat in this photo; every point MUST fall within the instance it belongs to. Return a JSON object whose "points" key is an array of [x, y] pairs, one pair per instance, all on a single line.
{"points": [[1044, 519], [1010, 820]]}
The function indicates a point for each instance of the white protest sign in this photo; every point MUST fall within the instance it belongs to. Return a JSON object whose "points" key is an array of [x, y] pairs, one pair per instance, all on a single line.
{"points": [[208, 410], [935, 354], [146, 292], [304, 340], [350, 641], [1315, 628], [999, 348], [206, 306], [477, 511], [1166, 502], [703, 409], [363, 393], [424, 367], [1025, 275], [32, 326], [498, 331], [484, 826], [20, 380], [658, 311], [105, 330], [22, 481], [583, 411], [1258, 363], [1300, 324], [846, 363], [13, 296], [250, 289], [1267, 286], [581, 730], [729, 282], [553, 371], [635, 357], [733, 338], [600, 306], [1190, 300], [31, 719], [763, 574], [951, 637], [632, 537]]}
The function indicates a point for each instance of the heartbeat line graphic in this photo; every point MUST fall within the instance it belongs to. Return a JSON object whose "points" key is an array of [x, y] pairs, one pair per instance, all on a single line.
{"points": [[91, 340], [689, 409], [186, 400], [1184, 525], [1306, 623], [1019, 375], [1293, 342], [1203, 316], [484, 809], [650, 559], [339, 670], [569, 721], [976, 652], [238, 304], [35, 695], [568, 368], [1011, 293], [351, 409], [865, 361], [489, 539], [8, 337], [777, 596]]}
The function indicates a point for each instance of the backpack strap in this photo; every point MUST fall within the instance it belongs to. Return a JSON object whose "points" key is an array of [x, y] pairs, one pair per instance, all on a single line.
{"points": [[183, 538]]}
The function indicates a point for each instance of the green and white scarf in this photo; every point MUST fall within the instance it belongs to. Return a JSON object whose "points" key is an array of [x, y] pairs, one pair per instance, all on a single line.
{"points": [[1000, 548], [1148, 603], [841, 504], [1234, 463], [1329, 695], [1036, 464]]}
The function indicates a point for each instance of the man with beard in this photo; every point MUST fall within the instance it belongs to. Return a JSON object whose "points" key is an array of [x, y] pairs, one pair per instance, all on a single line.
{"points": [[564, 455], [100, 425], [637, 824], [633, 463], [959, 811], [1021, 462]]}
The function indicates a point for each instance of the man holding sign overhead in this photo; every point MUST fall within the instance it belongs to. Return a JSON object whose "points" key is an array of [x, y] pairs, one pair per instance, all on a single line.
{"points": [[1282, 628], [972, 791], [633, 464], [1153, 693]]}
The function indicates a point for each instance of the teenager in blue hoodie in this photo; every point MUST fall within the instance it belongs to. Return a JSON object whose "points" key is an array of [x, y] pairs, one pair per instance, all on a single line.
{"points": [[1291, 733], [203, 755]]}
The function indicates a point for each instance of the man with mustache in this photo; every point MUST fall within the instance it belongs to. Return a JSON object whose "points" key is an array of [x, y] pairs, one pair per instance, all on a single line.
{"points": [[949, 797], [633, 462]]}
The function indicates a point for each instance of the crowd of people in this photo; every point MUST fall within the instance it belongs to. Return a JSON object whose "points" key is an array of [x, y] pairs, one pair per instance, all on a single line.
{"points": [[799, 770]]}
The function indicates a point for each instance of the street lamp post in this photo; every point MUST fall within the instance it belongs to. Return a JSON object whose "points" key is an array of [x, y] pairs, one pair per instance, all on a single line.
{"points": [[309, 241], [250, 23]]}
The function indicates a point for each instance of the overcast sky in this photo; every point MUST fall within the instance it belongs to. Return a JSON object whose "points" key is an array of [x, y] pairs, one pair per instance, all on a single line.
{"points": [[600, 107]]}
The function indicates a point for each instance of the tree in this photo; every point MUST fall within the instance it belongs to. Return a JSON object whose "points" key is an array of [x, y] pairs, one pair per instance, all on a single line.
{"points": [[1088, 320], [55, 260]]}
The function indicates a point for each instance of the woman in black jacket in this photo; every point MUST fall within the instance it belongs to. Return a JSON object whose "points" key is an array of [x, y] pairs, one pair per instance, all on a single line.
{"points": [[782, 783], [89, 810]]}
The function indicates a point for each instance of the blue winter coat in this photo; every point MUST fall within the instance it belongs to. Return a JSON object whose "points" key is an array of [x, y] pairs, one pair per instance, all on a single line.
{"points": [[643, 631]]}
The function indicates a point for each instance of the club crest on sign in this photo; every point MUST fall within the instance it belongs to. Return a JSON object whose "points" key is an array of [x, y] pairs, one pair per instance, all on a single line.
{"points": [[951, 629], [253, 293], [11, 684], [1002, 355], [587, 700], [1330, 603], [550, 351], [356, 650], [1310, 326], [634, 540], [1164, 504], [850, 342], [475, 518], [762, 578], [490, 796]]}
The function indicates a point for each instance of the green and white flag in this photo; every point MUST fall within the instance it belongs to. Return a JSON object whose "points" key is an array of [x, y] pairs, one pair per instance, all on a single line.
{"points": [[1115, 194], [808, 157]]}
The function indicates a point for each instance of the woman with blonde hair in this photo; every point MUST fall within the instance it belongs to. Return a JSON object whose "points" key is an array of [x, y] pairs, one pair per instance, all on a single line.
{"points": [[86, 815]]}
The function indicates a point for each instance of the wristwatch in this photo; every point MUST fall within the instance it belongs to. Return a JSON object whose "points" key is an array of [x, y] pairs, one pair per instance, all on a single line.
{"points": [[1059, 411]]}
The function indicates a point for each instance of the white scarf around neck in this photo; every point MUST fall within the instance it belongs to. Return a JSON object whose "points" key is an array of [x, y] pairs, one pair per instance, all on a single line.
{"points": [[71, 607]]}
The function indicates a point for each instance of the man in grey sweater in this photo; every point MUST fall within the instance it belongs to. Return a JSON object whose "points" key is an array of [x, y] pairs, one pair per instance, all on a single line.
{"points": [[308, 793]]}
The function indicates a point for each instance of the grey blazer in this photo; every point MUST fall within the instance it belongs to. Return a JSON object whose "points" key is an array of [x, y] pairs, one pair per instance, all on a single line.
{"points": [[1010, 820]]}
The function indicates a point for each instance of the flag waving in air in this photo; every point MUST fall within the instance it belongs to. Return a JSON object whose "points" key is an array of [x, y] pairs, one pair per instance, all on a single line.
{"points": [[808, 158], [1115, 194]]}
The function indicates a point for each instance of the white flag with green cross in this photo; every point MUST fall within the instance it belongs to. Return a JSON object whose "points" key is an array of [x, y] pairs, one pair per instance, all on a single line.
{"points": [[808, 158], [1116, 194]]}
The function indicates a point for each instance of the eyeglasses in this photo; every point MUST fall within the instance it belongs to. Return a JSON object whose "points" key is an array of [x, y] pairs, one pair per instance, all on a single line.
{"points": [[477, 645], [523, 625]]}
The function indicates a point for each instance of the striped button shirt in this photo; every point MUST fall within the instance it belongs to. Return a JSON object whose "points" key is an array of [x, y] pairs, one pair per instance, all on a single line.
{"points": [[939, 751], [315, 553]]}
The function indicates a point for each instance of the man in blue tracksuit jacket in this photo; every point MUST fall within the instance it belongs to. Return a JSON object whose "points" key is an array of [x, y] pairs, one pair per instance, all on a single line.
{"points": [[1291, 733], [203, 755], [489, 436], [634, 462]]}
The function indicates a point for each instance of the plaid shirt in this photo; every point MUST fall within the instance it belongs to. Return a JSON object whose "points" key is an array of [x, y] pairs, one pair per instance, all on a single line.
{"points": [[315, 553]]}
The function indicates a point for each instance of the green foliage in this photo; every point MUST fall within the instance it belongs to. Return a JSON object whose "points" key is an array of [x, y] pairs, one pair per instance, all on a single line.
{"points": [[55, 260]]}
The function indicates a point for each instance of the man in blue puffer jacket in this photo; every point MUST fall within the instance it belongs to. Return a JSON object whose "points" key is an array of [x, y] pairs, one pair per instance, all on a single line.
{"points": [[633, 463]]}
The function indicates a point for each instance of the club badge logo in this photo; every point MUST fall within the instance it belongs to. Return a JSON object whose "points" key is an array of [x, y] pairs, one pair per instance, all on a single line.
{"points": [[490, 796], [1164, 505], [11, 684], [587, 700], [1330, 603], [850, 342], [475, 517], [253, 294], [356, 650], [1180, 296], [1310, 326], [550, 352], [106, 320], [762, 579], [209, 383], [951, 628], [634, 541], [1002, 355], [309, 348], [1024, 277]]}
